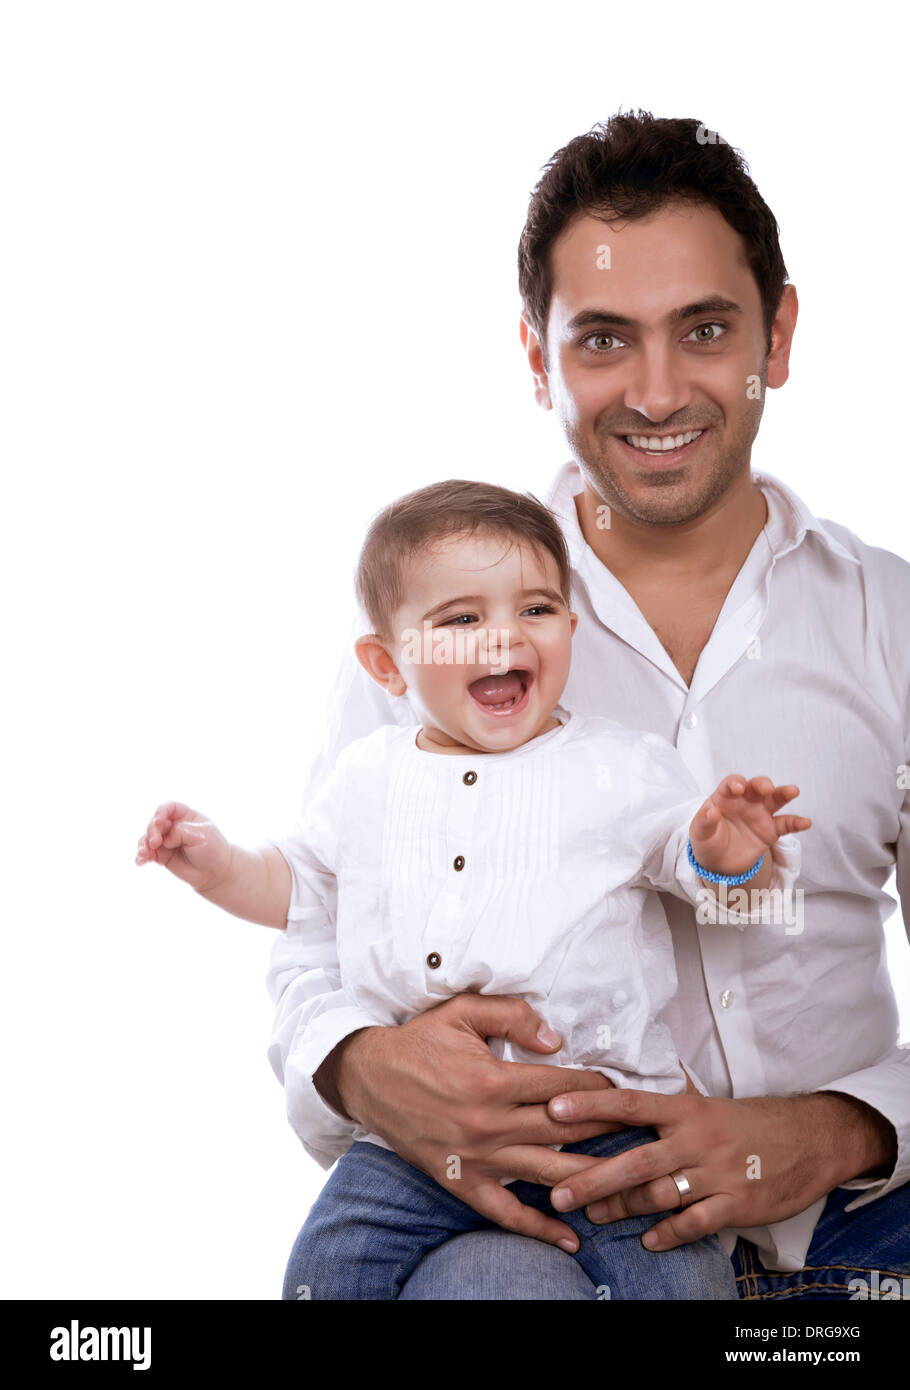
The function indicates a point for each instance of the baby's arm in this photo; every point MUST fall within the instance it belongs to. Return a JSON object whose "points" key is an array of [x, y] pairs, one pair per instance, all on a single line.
{"points": [[738, 824], [728, 832], [251, 883]]}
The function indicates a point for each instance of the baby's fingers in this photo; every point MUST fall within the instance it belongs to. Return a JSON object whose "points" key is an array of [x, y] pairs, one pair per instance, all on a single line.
{"points": [[183, 834], [706, 822], [791, 825], [760, 788]]}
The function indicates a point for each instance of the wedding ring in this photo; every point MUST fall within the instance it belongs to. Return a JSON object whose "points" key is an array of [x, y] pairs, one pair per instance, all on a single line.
{"points": [[682, 1186]]}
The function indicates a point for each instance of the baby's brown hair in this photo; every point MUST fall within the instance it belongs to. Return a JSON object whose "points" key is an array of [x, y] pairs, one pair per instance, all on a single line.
{"points": [[436, 513]]}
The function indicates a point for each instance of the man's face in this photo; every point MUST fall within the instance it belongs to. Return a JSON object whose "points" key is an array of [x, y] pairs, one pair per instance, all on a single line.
{"points": [[660, 336]]}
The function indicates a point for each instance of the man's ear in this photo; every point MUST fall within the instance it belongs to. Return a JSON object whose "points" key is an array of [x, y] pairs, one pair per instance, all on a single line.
{"points": [[782, 330], [376, 661], [531, 344]]}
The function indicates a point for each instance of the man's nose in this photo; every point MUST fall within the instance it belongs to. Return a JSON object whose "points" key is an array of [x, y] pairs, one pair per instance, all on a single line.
{"points": [[658, 386]]}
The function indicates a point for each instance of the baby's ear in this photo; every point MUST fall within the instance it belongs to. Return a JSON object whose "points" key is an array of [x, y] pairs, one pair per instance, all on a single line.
{"points": [[376, 660]]}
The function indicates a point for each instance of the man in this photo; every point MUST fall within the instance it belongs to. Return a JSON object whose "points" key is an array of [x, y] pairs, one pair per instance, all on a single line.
{"points": [[714, 609]]}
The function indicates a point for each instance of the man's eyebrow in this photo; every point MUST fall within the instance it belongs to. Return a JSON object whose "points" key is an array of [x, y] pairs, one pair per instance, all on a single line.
{"points": [[466, 599], [589, 318]]}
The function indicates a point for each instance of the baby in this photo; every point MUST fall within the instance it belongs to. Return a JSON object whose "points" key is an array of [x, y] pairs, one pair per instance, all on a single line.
{"points": [[501, 845]]}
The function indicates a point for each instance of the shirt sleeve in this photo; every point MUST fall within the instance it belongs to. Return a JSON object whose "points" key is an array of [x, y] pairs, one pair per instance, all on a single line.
{"points": [[313, 1013], [664, 800], [886, 1086]]}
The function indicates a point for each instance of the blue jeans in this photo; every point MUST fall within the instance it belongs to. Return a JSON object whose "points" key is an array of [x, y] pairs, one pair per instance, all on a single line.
{"points": [[875, 1240], [377, 1218]]}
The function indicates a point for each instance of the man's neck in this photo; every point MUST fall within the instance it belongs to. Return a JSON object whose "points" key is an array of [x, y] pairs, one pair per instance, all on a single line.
{"points": [[715, 542]]}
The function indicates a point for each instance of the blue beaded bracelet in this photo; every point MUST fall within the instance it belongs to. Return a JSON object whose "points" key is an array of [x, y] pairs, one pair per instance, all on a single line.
{"points": [[729, 879]]}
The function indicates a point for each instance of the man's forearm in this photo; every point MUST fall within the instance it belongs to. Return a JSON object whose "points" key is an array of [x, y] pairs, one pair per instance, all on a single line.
{"points": [[862, 1142], [330, 1075]]}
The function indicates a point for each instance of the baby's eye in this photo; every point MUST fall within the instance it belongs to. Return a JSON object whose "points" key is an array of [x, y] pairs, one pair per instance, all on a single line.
{"points": [[541, 608], [462, 619], [711, 329]]}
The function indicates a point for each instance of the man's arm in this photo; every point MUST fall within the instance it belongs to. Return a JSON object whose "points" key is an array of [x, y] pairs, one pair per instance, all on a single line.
{"points": [[882, 1092], [854, 1131]]}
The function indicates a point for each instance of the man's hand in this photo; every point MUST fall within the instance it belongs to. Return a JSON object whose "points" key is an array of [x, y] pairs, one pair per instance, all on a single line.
{"points": [[748, 1162], [435, 1092]]}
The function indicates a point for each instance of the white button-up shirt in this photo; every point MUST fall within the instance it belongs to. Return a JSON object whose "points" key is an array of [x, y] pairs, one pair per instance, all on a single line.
{"points": [[805, 678], [522, 873]]}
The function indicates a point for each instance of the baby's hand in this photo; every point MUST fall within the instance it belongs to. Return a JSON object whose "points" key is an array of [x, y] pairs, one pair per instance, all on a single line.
{"points": [[183, 841], [737, 823]]}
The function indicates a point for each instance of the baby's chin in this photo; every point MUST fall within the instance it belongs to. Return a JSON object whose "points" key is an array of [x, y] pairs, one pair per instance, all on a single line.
{"points": [[475, 735]]}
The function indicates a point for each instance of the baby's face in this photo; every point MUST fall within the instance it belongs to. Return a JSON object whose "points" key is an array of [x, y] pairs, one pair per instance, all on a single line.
{"points": [[483, 643]]}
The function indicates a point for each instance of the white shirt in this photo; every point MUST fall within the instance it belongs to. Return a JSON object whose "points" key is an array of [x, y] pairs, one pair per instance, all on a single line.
{"points": [[805, 678], [520, 873]]}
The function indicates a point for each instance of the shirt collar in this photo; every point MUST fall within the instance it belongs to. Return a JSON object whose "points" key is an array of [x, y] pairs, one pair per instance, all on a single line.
{"points": [[789, 519]]}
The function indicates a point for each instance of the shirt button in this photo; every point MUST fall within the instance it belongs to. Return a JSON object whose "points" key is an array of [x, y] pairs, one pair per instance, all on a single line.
{"points": [[726, 998], [469, 779], [458, 862], [690, 721], [434, 960]]}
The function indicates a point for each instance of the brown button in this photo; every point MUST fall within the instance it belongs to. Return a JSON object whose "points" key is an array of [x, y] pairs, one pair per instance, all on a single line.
{"points": [[469, 779], [458, 862], [434, 960]]}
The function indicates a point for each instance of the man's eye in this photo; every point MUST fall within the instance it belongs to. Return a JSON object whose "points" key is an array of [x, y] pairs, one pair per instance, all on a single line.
{"points": [[603, 342], [707, 332]]}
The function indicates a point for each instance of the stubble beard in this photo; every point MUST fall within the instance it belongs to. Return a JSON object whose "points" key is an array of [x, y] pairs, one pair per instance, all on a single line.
{"points": [[672, 496]]}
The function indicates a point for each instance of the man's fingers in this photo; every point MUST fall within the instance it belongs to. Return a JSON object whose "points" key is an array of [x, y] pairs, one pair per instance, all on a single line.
{"points": [[619, 1105], [526, 1083], [498, 1204], [543, 1166], [660, 1195], [643, 1164], [531, 1124], [496, 1016], [702, 1219]]}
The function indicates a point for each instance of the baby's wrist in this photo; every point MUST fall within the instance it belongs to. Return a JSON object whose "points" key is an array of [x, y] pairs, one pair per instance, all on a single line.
{"points": [[724, 868], [227, 879]]}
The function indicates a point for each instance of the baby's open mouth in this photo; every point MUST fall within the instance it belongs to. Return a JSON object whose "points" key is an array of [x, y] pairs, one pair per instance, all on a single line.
{"points": [[501, 692]]}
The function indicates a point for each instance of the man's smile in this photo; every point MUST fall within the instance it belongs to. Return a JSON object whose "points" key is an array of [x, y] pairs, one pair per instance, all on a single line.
{"points": [[662, 449]]}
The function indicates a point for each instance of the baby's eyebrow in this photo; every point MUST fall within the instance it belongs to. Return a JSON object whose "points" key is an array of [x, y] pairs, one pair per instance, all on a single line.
{"points": [[466, 599]]}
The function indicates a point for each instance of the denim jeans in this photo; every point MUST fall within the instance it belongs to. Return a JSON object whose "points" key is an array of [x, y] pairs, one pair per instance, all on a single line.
{"points": [[377, 1218], [871, 1245]]}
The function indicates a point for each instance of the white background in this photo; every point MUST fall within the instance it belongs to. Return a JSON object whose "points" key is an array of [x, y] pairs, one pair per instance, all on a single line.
{"points": [[258, 278]]}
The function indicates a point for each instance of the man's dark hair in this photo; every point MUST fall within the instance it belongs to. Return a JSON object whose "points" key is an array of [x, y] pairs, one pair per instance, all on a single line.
{"points": [[628, 167]]}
